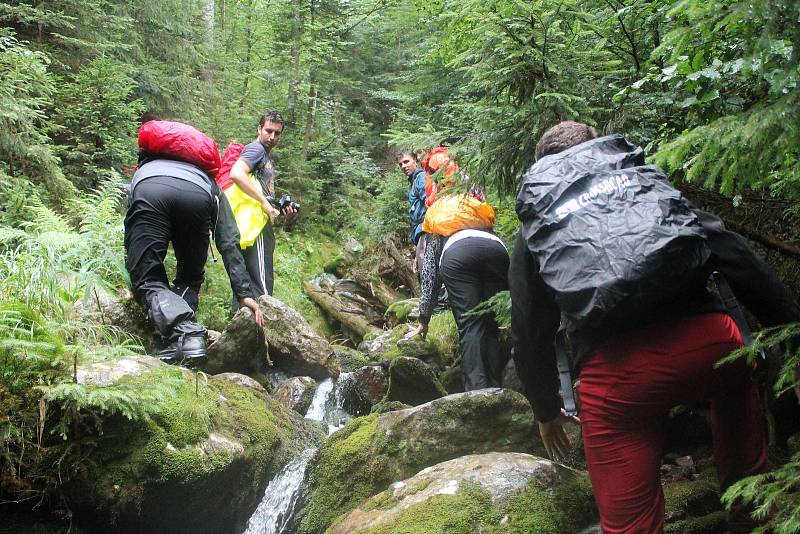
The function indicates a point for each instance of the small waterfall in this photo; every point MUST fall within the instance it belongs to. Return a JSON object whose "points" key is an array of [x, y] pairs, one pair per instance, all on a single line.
{"points": [[327, 404], [280, 497]]}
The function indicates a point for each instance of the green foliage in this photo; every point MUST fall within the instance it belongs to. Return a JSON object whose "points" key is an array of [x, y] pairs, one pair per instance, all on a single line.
{"points": [[99, 121], [775, 495], [499, 305], [732, 68], [51, 265]]}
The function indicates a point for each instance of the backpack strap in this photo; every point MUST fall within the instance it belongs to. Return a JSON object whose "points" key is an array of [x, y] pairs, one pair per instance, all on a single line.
{"points": [[564, 375], [732, 308]]}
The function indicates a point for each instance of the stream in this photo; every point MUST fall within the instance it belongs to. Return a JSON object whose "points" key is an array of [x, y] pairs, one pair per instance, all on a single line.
{"points": [[274, 512]]}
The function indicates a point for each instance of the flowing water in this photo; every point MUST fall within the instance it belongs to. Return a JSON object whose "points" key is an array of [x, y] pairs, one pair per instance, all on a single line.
{"points": [[280, 498]]}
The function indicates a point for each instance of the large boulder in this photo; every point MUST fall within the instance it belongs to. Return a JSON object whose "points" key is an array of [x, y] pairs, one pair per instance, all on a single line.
{"points": [[293, 345], [503, 492], [296, 393], [241, 348], [191, 453], [413, 382], [371, 452]]}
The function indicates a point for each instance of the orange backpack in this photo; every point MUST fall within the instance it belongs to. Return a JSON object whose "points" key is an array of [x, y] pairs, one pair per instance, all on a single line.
{"points": [[431, 163]]}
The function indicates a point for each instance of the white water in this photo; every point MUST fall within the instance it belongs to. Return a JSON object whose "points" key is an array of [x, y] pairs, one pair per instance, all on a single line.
{"points": [[280, 497], [274, 510], [327, 404]]}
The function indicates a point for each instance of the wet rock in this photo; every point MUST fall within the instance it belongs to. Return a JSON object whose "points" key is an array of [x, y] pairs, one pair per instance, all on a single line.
{"points": [[413, 382], [691, 497], [364, 388], [167, 472], [241, 380], [352, 249], [241, 348], [295, 347], [475, 493], [372, 452], [511, 379], [296, 393]]}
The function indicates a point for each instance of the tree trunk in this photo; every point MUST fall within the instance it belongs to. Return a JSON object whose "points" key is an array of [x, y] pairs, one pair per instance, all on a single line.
{"points": [[294, 73], [354, 323], [403, 267], [312, 111]]}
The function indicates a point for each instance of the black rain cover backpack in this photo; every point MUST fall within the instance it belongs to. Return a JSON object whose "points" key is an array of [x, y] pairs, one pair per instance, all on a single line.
{"points": [[613, 239]]}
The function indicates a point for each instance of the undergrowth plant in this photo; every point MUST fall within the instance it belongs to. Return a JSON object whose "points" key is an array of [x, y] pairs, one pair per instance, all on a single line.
{"points": [[775, 495]]}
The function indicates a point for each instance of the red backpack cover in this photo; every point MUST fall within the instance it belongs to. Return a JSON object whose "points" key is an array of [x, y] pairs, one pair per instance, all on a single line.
{"points": [[176, 140], [433, 161], [228, 159]]}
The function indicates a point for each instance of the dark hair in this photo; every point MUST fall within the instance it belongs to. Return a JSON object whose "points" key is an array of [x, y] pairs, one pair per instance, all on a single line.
{"points": [[271, 116], [400, 152], [562, 136]]}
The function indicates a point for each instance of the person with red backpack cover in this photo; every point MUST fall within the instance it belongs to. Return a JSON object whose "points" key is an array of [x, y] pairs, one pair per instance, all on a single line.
{"points": [[608, 244], [174, 199]]}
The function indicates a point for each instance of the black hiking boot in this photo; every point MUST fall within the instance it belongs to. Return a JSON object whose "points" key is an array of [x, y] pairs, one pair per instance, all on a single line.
{"points": [[189, 351]]}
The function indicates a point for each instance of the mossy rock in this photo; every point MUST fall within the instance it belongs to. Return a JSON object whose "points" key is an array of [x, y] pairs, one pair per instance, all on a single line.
{"points": [[199, 462], [489, 493], [389, 406], [349, 359], [452, 380], [371, 452], [390, 345], [399, 311], [413, 382], [693, 498]]}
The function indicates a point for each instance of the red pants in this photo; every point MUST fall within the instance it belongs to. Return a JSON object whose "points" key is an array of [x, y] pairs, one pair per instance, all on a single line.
{"points": [[627, 386]]}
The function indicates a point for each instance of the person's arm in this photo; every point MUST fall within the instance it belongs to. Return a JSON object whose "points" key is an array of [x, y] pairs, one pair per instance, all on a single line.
{"points": [[431, 282], [753, 282], [240, 176], [535, 318], [534, 322], [226, 237]]}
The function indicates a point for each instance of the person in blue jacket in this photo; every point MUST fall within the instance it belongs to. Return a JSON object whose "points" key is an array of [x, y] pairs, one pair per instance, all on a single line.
{"points": [[407, 161]]}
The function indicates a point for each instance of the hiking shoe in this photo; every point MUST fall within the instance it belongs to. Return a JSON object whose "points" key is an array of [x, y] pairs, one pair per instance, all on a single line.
{"points": [[189, 351], [193, 351]]}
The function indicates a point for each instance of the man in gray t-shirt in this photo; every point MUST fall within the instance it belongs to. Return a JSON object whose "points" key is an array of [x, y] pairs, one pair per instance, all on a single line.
{"points": [[255, 158]]}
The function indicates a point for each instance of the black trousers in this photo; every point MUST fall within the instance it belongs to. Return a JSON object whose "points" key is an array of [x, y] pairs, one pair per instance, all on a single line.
{"points": [[258, 260], [166, 210], [474, 269]]}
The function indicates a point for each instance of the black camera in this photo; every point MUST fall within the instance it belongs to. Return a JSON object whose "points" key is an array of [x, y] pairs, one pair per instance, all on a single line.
{"points": [[284, 202]]}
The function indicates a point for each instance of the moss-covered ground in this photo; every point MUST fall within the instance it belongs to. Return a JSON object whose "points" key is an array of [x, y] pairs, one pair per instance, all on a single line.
{"points": [[167, 471]]}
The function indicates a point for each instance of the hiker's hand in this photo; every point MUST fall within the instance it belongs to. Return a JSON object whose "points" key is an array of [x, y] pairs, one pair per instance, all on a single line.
{"points": [[288, 213], [248, 302], [270, 211], [555, 439], [414, 265], [421, 329]]}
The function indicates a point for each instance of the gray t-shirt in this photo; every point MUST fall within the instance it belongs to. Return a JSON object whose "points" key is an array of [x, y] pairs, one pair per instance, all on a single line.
{"points": [[260, 164]]}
